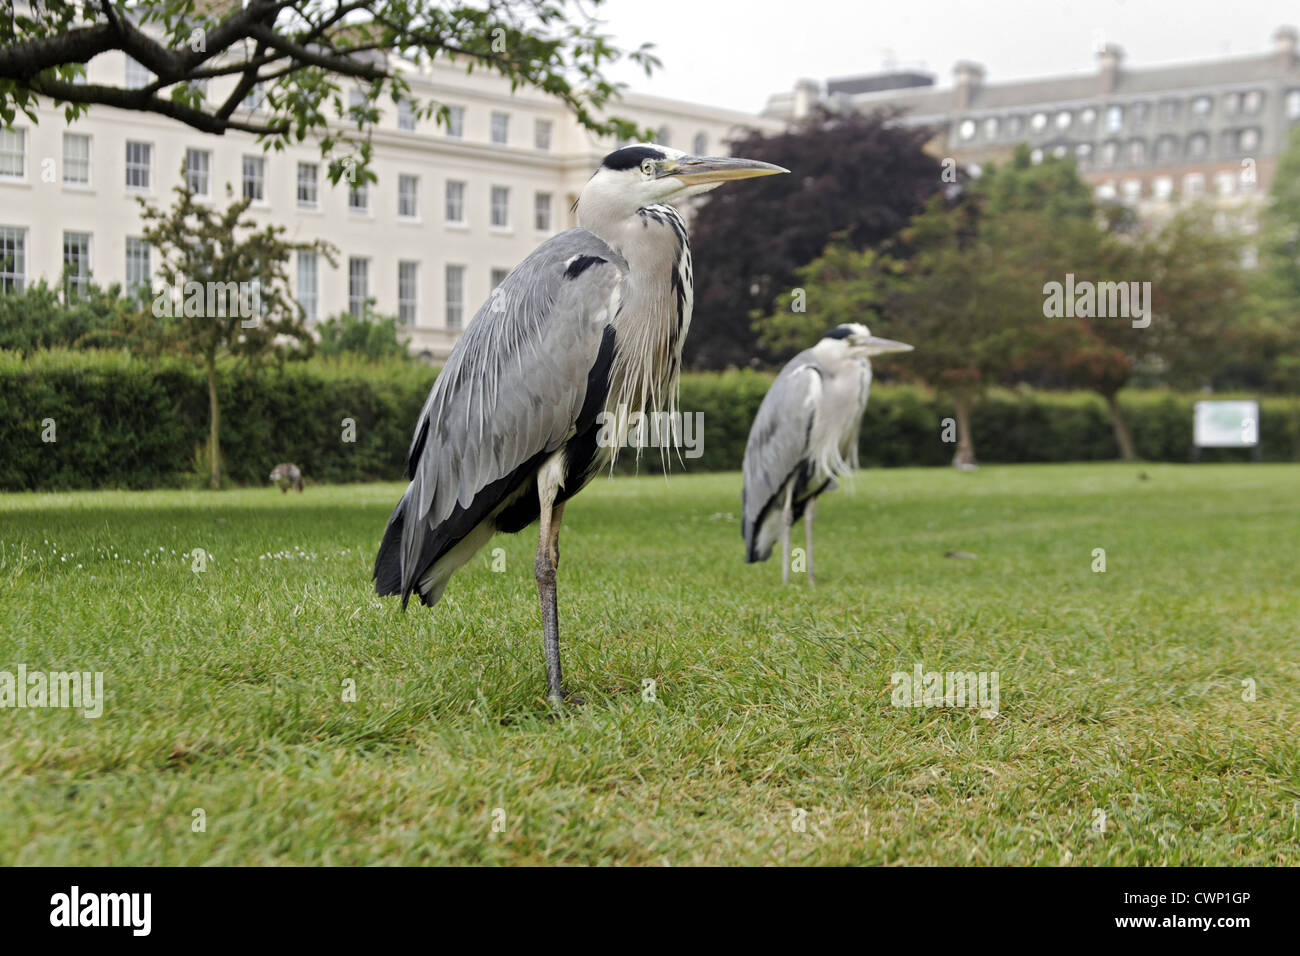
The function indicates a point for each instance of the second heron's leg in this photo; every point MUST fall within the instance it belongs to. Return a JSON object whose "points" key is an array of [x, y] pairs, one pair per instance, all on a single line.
{"points": [[787, 518], [807, 527]]}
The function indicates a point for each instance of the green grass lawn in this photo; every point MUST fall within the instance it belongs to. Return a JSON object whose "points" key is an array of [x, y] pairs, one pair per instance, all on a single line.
{"points": [[1120, 692]]}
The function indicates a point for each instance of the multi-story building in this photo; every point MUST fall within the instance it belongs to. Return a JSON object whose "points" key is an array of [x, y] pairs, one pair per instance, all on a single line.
{"points": [[455, 207], [1147, 136]]}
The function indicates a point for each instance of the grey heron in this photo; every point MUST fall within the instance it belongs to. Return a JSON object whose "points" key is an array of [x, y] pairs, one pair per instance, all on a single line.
{"points": [[592, 322], [805, 437]]}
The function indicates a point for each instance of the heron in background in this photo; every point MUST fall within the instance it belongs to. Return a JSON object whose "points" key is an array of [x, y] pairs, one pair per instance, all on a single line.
{"points": [[592, 321], [805, 437]]}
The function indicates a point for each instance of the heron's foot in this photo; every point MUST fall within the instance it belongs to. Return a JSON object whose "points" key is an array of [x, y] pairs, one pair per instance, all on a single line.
{"points": [[563, 703]]}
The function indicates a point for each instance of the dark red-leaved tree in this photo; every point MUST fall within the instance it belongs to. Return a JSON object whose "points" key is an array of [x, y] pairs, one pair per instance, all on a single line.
{"points": [[862, 176]]}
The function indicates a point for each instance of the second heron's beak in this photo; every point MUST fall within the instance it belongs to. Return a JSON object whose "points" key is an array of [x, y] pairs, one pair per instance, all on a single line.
{"points": [[875, 345], [698, 170]]}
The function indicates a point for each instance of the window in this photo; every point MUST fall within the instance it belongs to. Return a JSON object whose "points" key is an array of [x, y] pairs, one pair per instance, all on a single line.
{"points": [[662, 135], [359, 197], [542, 135], [309, 285], [358, 108], [138, 271], [1036, 156], [1137, 152], [1202, 106], [13, 153], [700, 145], [1292, 103], [408, 291], [1194, 184], [254, 178], [967, 129], [1083, 154], [1060, 152], [1109, 153], [408, 197], [1251, 102], [456, 122], [991, 127], [542, 212], [1038, 122], [198, 171], [405, 114], [1087, 117], [1169, 110], [1064, 119], [1231, 103], [1132, 190], [1114, 119], [500, 128], [358, 285], [76, 263], [1105, 192], [500, 207], [1198, 144], [308, 185], [139, 165], [1225, 182], [13, 259], [455, 297], [200, 87], [1140, 113], [76, 159], [1166, 148], [498, 276], [254, 99], [1248, 140], [455, 208], [1015, 125], [1163, 187], [136, 76]]}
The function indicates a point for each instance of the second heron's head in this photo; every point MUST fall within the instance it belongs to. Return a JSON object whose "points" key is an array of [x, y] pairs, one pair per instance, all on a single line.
{"points": [[634, 177], [855, 340]]}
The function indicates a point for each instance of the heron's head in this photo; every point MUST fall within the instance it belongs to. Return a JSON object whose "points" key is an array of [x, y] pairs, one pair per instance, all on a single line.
{"points": [[634, 177], [854, 340]]}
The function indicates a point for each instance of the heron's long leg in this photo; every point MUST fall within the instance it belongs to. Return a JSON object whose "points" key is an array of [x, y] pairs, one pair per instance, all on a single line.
{"points": [[787, 518], [807, 527], [544, 568]]}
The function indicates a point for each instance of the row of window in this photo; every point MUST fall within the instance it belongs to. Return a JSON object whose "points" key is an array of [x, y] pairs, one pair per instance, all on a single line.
{"points": [[139, 272], [139, 177], [1116, 116], [1167, 149], [1227, 182], [138, 77]]}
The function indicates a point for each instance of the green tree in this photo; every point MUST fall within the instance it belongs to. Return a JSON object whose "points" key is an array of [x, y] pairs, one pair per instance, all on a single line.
{"points": [[370, 337], [300, 57], [226, 291]]}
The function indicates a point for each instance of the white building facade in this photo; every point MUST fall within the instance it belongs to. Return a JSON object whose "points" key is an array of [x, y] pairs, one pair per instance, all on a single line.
{"points": [[455, 207]]}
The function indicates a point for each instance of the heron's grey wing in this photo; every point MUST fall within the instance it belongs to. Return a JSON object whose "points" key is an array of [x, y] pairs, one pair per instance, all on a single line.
{"points": [[511, 390], [778, 439]]}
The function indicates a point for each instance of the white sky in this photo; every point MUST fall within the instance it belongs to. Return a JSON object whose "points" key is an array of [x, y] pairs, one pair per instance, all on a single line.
{"points": [[735, 53]]}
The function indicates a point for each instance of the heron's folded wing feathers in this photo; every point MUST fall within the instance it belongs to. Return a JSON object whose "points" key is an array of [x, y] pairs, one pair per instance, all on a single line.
{"points": [[515, 382], [778, 439]]}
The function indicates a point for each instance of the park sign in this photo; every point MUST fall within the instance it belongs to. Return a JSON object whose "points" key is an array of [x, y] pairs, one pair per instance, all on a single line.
{"points": [[1226, 424]]}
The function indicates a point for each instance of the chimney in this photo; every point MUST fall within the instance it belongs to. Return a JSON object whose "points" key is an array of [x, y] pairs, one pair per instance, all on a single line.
{"points": [[1284, 48], [968, 77], [1109, 58], [807, 93]]}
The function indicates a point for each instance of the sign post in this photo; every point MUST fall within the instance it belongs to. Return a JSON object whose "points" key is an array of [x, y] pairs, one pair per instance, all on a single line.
{"points": [[1233, 424]]}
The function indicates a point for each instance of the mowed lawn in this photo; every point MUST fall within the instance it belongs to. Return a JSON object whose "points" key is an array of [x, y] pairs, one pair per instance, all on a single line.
{"points": [[1163, 694]]}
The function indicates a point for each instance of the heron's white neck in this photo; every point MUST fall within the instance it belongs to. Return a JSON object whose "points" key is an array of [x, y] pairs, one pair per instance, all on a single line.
{"points": [[655, 312]]}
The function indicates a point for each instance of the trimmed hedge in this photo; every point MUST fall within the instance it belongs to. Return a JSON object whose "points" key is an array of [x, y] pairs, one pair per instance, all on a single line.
{"points": [[124, 422]]}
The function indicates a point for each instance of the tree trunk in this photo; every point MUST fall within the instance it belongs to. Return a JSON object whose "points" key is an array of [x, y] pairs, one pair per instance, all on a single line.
{"points": [[1122, 437], [965, 455], [214, 424]]}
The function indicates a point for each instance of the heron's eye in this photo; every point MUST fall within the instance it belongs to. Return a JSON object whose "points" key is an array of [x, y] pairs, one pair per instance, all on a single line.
{"points": [[648, 167]]}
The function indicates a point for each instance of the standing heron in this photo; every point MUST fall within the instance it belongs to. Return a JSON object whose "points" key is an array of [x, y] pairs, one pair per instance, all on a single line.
{"points": [[592, 321], [805, 437]]}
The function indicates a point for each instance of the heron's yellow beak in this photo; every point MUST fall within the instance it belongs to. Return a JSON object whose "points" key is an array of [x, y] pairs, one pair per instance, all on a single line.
{"points": [[698, 170]]}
